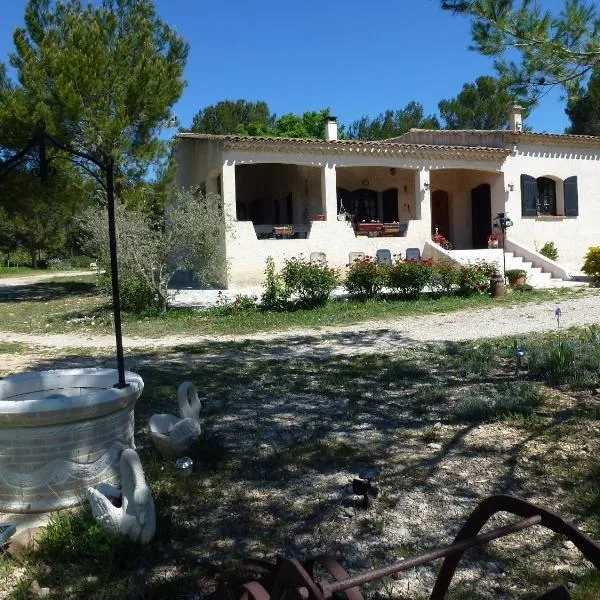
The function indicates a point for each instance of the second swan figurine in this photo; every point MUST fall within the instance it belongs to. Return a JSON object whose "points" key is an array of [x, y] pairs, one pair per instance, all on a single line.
{"points": [[173, 436]]}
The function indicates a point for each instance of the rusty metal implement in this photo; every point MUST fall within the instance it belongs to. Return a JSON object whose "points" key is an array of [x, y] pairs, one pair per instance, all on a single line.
{"points": [[289, 578]]}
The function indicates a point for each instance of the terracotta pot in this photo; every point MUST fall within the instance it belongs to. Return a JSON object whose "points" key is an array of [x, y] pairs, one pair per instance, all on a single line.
{"points": [[515, 281]]}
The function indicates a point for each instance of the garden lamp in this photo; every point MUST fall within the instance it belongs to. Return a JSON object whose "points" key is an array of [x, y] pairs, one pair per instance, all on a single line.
{"points": [[502, 222]]}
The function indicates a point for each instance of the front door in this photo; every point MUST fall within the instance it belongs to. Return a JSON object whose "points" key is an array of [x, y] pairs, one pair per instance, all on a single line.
{"points": [[440, 216], [481, 215]]}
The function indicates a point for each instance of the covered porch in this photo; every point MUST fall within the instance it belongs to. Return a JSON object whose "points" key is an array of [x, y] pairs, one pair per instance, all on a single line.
{"points": [[464, 203]]}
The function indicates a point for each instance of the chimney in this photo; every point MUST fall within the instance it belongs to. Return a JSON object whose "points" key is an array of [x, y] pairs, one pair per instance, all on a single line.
{"points": [[331, 128], [515, 118]]}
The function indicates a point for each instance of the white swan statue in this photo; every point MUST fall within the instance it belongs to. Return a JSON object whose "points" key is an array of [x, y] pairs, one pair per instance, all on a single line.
{"points": [[136, 517], [173, 436]]}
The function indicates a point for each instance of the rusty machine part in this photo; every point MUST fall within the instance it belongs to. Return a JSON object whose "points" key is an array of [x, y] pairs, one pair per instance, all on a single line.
{"points": [[289, 578]]}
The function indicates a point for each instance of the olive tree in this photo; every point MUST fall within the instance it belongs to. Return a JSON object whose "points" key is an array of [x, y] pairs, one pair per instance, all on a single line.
{"points": [[189, 237]]}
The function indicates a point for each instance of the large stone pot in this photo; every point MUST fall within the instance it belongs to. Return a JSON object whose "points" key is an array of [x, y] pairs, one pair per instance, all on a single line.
{"points": [[60, 432]]}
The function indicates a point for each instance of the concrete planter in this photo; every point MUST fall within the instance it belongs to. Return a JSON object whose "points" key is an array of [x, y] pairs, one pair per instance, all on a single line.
{"points": [[60, 432]]}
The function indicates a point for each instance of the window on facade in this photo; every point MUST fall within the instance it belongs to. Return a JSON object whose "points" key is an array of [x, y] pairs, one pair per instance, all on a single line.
{"points": [[546, 196], [369, 205]]}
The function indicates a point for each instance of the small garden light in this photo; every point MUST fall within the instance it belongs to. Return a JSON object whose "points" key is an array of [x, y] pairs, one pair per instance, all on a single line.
{"points": [[519, 353], [184, 466]]}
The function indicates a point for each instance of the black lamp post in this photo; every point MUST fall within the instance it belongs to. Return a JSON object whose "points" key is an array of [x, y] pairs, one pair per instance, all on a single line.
{"points": [[36, 146], [502, 222]]}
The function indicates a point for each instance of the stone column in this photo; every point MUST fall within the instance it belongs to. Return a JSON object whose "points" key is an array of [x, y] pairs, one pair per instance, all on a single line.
{"points": [[228, 190], [329, 191], [423, 199]]}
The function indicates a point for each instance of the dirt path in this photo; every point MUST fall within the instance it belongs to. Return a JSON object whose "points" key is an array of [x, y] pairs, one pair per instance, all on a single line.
{"points": [[7, 282], [372, 336]]}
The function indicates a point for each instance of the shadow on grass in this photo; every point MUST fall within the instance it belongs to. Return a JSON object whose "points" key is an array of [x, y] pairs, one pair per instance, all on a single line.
{"points": [[284, 433], [47, 290]]}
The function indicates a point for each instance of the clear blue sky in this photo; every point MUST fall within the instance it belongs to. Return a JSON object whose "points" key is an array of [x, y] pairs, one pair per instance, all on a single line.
{"points": [[355, 57]]}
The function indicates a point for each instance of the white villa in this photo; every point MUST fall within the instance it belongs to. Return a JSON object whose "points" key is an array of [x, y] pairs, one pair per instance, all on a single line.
{"points": [[283, 197]]}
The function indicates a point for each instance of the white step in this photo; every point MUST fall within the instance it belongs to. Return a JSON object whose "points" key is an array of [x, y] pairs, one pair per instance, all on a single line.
{"points": [[535, 276]]}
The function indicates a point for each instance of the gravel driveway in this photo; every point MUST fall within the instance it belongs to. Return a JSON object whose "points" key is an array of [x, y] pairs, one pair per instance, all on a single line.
{"points": [[371, 336]]}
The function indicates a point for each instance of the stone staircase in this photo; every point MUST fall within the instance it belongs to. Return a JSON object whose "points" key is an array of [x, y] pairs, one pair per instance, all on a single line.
{"points": [[535, 275]]}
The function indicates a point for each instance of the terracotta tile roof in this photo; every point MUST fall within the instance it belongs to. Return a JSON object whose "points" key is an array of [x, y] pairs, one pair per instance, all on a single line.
{"points": [[344, 146], [502, 136]]}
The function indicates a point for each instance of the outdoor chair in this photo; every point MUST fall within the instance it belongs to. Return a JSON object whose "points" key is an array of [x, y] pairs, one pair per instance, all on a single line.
{"points": [[318, 257], [355, 256], [412, 254], [384, 256]]}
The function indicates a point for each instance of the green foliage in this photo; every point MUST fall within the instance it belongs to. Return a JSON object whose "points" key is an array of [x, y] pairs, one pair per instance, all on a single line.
{"points": [[445, 276], [102, 76], [514, 273], [188, 238], [474, 360], [274, 296], [583, 107], [234, 117], [480, 105], [310, 124], [552, 48], [311, 282], [365, 278], [78, 537], [549, 250], [241, 117], [474, 278], [591, 265], [570, 359], [392, 123], [512, 398], [225, 307], [409, 277]]}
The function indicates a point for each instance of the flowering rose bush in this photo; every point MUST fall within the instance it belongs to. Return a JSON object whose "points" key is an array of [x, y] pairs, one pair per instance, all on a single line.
{"points": [[474, 278], [366, 277], [310, 282], [409, 277]]}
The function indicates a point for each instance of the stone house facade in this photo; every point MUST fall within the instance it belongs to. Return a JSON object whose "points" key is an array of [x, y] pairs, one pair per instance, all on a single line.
{"points": [[285, 197]]}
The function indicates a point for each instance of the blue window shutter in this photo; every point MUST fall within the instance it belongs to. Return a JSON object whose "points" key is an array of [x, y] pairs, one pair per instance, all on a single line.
{"points": [[529, 196], [571, 197]]}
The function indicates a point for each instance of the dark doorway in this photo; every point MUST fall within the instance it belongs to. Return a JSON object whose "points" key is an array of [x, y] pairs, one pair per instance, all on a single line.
{"points": [[440, 215], [390, 205], [481, 215]]}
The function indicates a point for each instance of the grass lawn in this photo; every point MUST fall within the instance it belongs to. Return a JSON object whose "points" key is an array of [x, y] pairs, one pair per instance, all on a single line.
{"points": [[75, 305], [16, 271], [445, 425]]}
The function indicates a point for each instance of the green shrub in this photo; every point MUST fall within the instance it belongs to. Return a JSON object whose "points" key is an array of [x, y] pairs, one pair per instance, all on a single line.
{"points": [[444, 277], [475, 360], [274, 296], [591, 265], [549, 250], [409, 277], [572, 358], [513, 398], [474, 278], [226, 306], [366, 277], [81, 262], [523, 287], [515, 273], [134, 291], [311, 283]]}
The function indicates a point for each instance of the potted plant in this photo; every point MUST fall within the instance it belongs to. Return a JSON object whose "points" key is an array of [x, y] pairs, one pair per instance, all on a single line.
{"points": [[493, 241], [515, 277]]}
